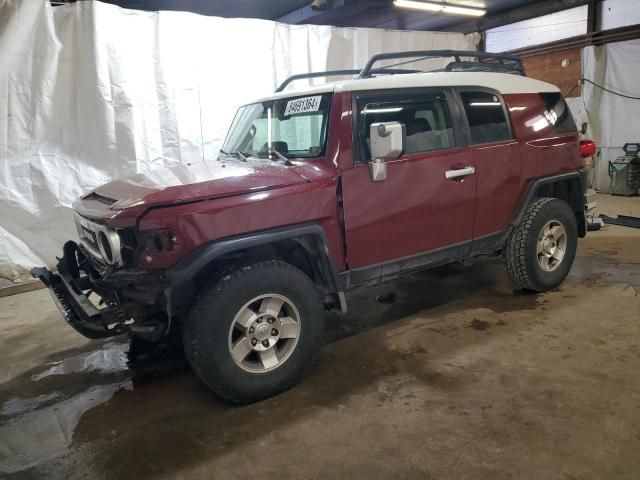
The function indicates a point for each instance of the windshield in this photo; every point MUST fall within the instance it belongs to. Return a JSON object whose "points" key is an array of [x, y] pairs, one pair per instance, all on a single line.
{"points": [[293, 127]]}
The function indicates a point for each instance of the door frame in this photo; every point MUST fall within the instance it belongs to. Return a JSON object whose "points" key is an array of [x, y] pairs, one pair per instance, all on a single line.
{"points": [[441, 255]]}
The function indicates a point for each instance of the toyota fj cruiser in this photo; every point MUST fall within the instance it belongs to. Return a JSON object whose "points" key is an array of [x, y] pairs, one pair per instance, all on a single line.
{"points": [[321, 190]]}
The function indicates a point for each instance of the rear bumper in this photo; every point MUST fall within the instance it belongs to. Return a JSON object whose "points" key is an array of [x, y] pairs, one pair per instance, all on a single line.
{"points": [[131, 299]]}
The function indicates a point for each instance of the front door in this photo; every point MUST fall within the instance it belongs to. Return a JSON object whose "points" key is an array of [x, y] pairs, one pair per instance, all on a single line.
{"points": [[424, 211]]}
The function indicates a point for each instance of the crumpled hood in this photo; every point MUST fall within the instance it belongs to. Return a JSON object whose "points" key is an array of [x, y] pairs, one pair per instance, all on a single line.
{"points": [[186, 183]]}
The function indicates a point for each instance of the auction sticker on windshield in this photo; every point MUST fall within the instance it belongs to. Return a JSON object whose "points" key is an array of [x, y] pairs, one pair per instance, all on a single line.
{"points": [[303, 105]]}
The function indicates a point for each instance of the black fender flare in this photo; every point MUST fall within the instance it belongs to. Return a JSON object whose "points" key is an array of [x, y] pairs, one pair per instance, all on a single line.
{"points": [[535, 186], [310, 236]]}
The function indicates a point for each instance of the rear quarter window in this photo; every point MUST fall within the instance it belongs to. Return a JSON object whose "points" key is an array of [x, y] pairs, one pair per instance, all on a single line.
{"points": [[557, 112], [486, 117]]}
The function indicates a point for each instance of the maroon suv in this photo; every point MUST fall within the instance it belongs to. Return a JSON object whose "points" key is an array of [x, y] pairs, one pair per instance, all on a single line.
{"points": [[319, 191]]}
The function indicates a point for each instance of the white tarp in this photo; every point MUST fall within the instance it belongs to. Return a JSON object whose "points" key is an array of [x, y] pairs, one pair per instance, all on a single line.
{"points": [[90, 91], [613, 120]]}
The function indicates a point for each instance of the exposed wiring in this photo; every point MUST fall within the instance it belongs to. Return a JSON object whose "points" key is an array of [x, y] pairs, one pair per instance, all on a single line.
{"points": [[607, 90]]}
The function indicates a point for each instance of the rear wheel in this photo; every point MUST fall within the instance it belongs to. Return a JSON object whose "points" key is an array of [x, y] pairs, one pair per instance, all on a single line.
{"points": [[255, 332], [541, 249]]}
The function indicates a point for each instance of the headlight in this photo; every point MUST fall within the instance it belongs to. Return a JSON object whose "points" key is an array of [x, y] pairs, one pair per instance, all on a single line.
{"points": [[159, 241], [109, 245], [159, 248]]}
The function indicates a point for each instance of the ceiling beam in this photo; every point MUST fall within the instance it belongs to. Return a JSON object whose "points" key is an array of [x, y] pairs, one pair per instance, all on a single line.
{"points": [[620, 34], [306, 13], [336, 13], [516, 15], [592, 17]]}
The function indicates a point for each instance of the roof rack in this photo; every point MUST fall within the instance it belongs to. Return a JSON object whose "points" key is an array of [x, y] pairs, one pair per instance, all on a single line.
{"points": [[486, 62], [334, 73]]}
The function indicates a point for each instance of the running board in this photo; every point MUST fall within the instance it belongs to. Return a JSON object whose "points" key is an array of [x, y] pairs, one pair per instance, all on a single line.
{"points": [[623, 220]]}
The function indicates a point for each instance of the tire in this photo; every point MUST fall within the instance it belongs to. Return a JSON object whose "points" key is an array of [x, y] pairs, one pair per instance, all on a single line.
{"points": [[536, 257], [242, 308]]}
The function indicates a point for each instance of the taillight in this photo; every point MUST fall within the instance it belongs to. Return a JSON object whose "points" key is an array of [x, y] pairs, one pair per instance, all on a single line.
{"points": [[587, 148]]}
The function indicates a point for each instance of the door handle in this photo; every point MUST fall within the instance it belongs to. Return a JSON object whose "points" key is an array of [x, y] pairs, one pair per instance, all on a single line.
{"points": [[460, 172]]}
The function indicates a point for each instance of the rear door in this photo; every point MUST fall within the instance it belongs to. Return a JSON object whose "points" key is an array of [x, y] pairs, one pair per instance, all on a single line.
{"points": [[417, 215], [496, 157]]}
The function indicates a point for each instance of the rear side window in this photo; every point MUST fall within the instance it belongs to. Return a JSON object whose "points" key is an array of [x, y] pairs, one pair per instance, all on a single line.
{"points": [[485, 114], [557, 112], [425, 116]]}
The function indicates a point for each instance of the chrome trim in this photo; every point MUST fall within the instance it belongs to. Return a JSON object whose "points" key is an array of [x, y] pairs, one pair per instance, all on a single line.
{"points": [[113, 239], [343, 302], [85, 227], [378, 170], [461, 172]]}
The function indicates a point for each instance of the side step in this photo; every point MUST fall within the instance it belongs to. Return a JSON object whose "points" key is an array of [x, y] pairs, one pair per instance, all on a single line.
{"points": [[622, 220]]}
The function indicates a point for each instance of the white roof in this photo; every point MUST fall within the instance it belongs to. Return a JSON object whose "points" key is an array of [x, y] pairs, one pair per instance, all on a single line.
{"points": [[504, 83]]}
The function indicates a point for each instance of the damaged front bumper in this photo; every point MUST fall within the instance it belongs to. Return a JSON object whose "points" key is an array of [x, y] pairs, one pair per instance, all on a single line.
{"points": [[131, 301]]}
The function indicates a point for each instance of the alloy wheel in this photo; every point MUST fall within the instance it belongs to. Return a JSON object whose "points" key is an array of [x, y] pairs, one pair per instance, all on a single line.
{"points": [[264, 333], [552, 245]]}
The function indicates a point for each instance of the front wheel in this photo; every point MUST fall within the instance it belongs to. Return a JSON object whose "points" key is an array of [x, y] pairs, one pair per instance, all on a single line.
{"points": [[541, 249], [255, 332]]}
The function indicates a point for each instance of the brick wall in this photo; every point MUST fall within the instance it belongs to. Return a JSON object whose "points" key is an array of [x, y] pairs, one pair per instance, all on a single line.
{"points": [[549, 67]]}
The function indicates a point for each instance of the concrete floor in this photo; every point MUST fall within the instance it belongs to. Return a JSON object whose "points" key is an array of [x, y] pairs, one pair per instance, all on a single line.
{"points": [[458, 377]]}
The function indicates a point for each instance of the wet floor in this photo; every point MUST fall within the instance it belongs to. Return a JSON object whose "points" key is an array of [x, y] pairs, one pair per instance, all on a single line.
{"points": [[443, 374]]}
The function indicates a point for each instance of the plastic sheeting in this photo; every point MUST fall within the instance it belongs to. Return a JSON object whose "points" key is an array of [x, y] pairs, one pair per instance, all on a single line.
{"points": [[90, 91], [612, 120]]}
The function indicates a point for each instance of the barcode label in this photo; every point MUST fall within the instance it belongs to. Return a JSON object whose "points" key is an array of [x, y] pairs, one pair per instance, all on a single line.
{"points": [[303, 105]]}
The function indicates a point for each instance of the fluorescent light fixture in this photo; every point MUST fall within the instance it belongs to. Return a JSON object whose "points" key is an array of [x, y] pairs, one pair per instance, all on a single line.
{"points": [[383, 110], [433, 7], [439, 7], [474, 12]]}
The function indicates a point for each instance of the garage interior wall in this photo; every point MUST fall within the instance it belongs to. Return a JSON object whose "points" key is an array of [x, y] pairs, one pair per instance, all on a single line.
{"points": [[546, 28], [90, 91], [612, 119]]}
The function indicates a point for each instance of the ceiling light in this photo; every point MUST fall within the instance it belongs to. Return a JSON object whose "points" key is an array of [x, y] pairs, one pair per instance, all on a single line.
{"points": [[433, 7], [476, 12], [439, 7]]}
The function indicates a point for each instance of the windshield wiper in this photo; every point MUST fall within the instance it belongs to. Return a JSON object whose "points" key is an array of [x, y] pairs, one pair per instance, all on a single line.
{"points": [[281, 157], [238, 154]]}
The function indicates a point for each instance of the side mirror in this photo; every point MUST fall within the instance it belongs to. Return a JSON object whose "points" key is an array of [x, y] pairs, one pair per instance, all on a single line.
{"points": [[387, 143]]}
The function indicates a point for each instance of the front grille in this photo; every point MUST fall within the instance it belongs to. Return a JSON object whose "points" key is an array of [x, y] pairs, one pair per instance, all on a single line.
{"points": [[90, 237], [90, 233]]}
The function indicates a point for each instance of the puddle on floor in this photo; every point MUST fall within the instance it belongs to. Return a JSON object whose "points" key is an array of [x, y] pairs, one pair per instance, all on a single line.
{"points": [[111, 358], [40, 410], [43, 407], [42, 434]]}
